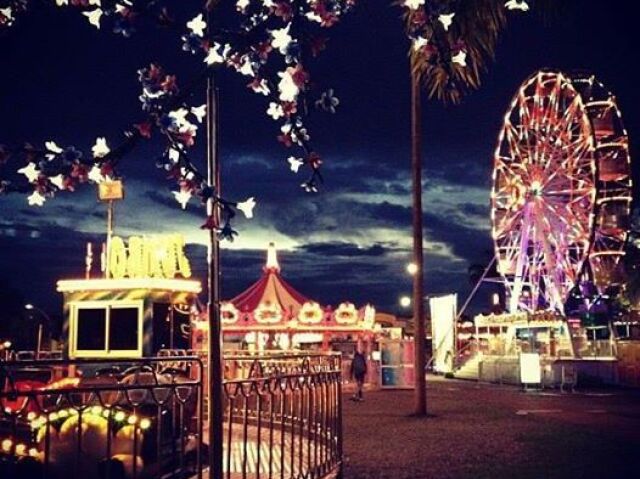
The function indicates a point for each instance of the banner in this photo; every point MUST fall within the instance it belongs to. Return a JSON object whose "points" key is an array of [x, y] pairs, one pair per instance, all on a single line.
{"points": [[443, 321]]}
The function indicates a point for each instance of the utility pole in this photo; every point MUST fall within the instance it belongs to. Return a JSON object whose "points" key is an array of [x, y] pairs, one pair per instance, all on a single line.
{"points": [[420, 394]]}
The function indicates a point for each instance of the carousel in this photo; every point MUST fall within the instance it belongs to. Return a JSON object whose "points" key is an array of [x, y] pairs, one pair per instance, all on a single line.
{"points": [[271, 314]]}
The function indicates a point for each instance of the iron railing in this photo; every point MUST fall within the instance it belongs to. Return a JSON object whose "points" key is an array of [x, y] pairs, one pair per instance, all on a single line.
{"points": [[146, 418]]}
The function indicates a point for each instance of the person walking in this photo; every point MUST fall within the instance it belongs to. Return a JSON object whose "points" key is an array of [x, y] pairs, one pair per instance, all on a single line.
{"points": [[358, 372]]}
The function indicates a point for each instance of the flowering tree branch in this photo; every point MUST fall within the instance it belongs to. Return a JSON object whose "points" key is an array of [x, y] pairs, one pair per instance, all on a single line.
{"points": [[266, 43]]}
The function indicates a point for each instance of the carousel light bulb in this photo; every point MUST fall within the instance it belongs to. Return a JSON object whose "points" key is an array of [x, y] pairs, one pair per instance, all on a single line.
{"points": [[145, 423], [132, 419], [119, 416], [97, 410], [21, 449], [405, 301], [6, 445]]}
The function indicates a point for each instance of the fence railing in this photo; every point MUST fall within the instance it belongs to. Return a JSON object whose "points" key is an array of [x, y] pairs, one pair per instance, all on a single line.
{"points": [[146, 418]]}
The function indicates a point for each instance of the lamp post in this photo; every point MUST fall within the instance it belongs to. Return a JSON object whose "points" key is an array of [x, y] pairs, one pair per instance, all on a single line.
{"points": [[405, 301], [31, 307], [214, 347]]}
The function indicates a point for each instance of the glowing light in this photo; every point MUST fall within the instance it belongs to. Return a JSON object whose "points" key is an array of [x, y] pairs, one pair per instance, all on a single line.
{"points": [[272, 258], [181, 285], [6, 445], [145, 423], [132, 419], [119, 416], [412, 268], [405, 301]]}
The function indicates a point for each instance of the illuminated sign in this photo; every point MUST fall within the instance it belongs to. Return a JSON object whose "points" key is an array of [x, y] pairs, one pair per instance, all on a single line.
{"points": [[149, 257], [530, 372], [110, 190]]}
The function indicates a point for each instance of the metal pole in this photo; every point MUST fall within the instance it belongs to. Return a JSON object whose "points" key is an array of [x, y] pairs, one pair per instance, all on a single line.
{"points": [[215, 413], [475, 288], [109, 235], [418, 279], [39, 344]]}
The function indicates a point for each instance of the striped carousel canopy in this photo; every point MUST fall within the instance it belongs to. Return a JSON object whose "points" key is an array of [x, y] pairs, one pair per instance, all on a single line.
{"points": [[270, 291]]}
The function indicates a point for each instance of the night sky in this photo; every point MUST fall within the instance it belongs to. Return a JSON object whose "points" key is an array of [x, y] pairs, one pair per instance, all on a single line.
{"points": [[62, 79]]}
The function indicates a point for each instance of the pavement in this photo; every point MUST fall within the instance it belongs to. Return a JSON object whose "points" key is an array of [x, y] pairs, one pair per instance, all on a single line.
{"points": [[490, 431]]}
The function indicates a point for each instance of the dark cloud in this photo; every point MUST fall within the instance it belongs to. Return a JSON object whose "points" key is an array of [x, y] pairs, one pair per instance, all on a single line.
{"points": [[343, 249]]}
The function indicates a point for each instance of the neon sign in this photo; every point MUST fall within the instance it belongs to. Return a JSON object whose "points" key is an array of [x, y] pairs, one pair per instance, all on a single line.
{"points": [[148, 257]]}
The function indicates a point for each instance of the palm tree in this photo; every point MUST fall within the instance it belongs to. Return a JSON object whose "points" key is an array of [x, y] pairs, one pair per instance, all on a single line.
{"points": [[437, 66]]}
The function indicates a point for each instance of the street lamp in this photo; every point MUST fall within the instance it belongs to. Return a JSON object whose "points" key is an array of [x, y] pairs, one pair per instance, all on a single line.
{"points": [[405, 301], [31, 307]]}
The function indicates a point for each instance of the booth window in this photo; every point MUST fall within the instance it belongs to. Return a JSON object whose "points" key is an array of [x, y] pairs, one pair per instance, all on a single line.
{"points": [[106, 328]]}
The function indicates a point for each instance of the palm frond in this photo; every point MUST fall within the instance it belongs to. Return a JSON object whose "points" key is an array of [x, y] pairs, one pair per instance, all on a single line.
{"points": [[475, 30]]}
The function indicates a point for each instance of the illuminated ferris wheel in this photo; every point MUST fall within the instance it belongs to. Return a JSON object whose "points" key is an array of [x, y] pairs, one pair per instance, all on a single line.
{"points": [[561, 190]]}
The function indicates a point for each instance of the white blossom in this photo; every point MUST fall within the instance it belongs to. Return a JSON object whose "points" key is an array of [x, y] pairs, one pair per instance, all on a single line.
{"points": [[420, 43], [460, 58], [521, 5], [30, 171], [295, 163], [36, 199], [100, 149], [94, 17], [247, 67], [180, 117], [413, 4], [275, 110], [197, 25], [287, 87], [57, 181], [247, 207], [174, 155], [242, 5], [281, 39], [95, 174], [199, 112], [446, 20], [182, 197], [214, 56], [52, 146]]}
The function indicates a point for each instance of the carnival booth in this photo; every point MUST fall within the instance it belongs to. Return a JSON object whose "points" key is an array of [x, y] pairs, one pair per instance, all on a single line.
{"points": [[543, 332], [140, 305]]}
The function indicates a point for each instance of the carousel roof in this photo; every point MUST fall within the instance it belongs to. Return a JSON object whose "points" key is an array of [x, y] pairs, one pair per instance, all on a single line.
{"points": [[270, 289]]}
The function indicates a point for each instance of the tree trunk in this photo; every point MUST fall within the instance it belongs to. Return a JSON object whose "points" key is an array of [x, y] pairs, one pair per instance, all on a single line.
{"points": [[420, 407]]}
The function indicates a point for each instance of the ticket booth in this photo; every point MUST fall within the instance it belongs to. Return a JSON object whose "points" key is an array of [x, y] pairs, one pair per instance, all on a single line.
{"points": [[144, 306]]}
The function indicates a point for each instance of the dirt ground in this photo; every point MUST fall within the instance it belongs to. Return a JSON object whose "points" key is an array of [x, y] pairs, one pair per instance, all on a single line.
{"points": [[489, 431]]}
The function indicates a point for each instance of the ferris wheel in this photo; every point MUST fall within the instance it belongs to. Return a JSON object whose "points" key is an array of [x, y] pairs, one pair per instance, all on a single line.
{"points": [[561, 193]]}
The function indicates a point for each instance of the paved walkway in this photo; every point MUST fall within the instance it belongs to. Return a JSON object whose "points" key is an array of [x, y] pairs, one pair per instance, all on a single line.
{"points": [[487, 431]]}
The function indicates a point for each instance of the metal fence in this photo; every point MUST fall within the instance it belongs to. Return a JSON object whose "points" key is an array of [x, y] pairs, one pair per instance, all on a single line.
{"points": [[145, 418]]}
